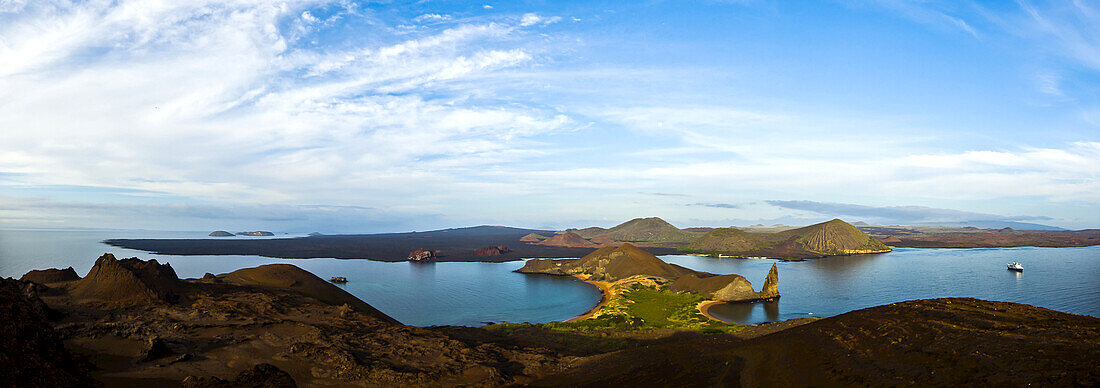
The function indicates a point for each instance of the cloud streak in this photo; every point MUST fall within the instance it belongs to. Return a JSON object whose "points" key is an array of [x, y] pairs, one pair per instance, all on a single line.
{"points": [[897, 214]]}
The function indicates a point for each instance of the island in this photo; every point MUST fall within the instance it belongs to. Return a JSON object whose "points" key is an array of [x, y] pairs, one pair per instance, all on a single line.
{"points": [[220, 233], [132, 322], [258, 233], [652, 234]]}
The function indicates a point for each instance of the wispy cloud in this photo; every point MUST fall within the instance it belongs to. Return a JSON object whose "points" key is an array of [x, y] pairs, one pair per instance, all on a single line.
{"points": [[716, 205], [897, 214]]}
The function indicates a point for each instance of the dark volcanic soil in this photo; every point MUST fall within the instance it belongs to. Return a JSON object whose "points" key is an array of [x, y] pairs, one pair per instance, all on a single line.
{"points": [[449, 245], [934, 342]]}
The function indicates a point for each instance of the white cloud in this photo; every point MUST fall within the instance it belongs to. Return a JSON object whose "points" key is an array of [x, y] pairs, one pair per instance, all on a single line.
{"points": [[205, 102], [530, 19], [431, 18], [309, 18]]}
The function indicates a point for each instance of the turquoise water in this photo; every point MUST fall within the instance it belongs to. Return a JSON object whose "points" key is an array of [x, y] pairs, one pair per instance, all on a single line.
{"points": [[469, 294], [1064, 279]]}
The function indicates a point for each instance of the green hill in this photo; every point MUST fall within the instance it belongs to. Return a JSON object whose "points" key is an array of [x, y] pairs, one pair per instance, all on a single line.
{"points": [[830, 238], [650, 230], [835, 237], [590, 232]]}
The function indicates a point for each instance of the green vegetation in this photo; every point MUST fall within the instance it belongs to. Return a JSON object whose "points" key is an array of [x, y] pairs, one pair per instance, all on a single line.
{"points": [[647, 230], [834, 237], [642, 307]]}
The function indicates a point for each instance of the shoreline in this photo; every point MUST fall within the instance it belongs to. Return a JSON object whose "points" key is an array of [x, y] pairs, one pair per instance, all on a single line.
{"points": [[704, 308], [605, 297]]}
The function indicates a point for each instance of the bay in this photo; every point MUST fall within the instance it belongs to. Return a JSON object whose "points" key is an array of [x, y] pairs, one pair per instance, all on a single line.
{"points": [[473, 294]]}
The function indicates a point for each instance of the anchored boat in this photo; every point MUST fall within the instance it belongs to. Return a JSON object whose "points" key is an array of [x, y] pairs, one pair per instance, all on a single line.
{"points": [[1016, 266]]}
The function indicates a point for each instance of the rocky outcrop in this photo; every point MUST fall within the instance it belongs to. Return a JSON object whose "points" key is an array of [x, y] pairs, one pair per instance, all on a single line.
{"points": [[128, 282], [278, 314], [492, 251], [50, 275], [220, 233], [31, 351], [260, 376], [568, 240], [729, 288], [532, 237], [770, 290], [421, 255]]}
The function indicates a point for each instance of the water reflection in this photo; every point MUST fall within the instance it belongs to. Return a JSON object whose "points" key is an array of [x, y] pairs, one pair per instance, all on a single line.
{"points": [[746, 312], [423, 272]]}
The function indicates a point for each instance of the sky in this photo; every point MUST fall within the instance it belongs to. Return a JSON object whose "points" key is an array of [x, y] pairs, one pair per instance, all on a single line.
{"points": [[357, 117]]}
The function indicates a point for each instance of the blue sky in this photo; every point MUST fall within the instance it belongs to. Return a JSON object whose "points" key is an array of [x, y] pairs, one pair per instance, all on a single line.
{"points": [[352, 116]]}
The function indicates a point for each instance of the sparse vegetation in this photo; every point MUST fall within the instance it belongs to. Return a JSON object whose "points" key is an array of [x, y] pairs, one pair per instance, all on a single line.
{"points": [[637, 306]]}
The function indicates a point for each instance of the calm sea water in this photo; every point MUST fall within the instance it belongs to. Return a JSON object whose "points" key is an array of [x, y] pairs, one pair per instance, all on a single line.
{"points": [[1065, 279], [468, 294]]}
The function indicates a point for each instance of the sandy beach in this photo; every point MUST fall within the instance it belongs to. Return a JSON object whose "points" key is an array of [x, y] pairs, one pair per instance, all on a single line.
{"points": [[704, 308], [605, 296]]}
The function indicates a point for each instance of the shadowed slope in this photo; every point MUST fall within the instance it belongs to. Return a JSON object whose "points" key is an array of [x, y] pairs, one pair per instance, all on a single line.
{"points": [[50, 275], [128, 282], [302, 281], [31, 351]]}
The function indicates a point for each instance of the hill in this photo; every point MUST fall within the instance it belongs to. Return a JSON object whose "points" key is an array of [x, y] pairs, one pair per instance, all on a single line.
{"points": [[621, 263], [646, 230], [532, 237], [590, 232], [128, 282], [953, 342], [567, 239], [291, 277], [829, 238]]}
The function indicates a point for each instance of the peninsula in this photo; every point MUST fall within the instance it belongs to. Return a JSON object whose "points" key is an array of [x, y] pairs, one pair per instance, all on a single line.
{"points": [[623, 271]]}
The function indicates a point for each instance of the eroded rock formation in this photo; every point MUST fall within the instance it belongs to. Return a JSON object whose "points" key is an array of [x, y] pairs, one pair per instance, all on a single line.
{"points": [[421, 255], [50, 275], [492, 251]]}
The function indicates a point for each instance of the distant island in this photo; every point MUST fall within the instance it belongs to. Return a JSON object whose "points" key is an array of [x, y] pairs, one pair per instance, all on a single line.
{"points": [[258, 233], [220, 233], [652, 234]]}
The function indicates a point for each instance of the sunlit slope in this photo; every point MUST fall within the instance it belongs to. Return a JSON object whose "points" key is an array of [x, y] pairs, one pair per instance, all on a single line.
{"points": [[727, 240], [834, 237], [650, 230]]}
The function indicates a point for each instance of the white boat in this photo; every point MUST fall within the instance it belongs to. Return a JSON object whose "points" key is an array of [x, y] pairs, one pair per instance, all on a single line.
{"points": [[1016, 266]]}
